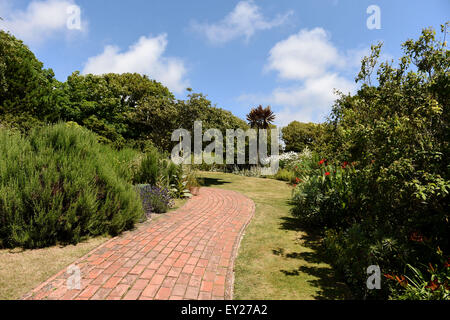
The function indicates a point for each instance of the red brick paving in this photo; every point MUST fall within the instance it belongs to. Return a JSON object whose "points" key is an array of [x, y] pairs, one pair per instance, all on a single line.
{"points": [[185, 254]]}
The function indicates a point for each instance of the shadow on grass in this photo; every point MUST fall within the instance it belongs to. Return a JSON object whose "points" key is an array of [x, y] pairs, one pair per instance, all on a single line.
{"points": [[207, 182], [328, 284]]}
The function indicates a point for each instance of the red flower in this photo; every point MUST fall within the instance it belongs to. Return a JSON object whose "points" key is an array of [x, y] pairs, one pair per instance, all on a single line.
{"points": [[297, 180], [327, 173], [447, 264], [344, 165], [321, 162]]}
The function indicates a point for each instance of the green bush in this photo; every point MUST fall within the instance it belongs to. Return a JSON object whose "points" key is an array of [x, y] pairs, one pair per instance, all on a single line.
{"points": [[326, 194], [149, 170], [391, 206], [285, 175], [59, 185]]}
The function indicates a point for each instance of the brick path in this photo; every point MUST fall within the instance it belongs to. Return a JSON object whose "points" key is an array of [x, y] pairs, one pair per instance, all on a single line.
{"points": [[185, 254]]}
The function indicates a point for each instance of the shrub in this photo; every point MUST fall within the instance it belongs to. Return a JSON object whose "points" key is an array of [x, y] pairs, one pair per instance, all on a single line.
{"points": [[155, 199], [326, 194], [179, 187], [390, 208], [149, 171], [285, 175], [59, 185], [435, 286]]}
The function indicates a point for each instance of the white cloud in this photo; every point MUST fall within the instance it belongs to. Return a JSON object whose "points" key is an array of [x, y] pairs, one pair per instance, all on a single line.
{"points": [[305, 101], [39, 21], [144, 57], [314, 68], [306, 54], [311, 101], [245, 19]]}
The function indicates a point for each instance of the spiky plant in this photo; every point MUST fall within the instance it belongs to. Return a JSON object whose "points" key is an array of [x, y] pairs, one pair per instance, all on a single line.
{"points": [[260, 117]]}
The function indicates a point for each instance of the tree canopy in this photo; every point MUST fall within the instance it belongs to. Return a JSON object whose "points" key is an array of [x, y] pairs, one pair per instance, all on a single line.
{"points": [[298, 135], [123, 109]]}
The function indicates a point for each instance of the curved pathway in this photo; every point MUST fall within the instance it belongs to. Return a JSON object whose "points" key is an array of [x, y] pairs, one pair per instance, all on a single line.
{"points": [[185, 254]]}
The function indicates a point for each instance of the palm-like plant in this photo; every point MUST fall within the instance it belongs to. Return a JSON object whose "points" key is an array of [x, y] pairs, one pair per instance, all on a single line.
{"points": [[260, 117]]}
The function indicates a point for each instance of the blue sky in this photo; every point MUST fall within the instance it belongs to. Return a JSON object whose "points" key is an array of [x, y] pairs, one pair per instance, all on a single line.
{"points": [[287, 54]]}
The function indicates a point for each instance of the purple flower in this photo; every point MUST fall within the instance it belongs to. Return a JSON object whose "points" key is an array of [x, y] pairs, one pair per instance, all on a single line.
{"points": [[155, 199]]}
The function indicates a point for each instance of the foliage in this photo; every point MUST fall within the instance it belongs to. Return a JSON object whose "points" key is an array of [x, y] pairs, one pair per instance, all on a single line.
{"points": [[324, 195], [179, 184], [191, 179], [422, 287], [155, 199], [149, 171], [260, 117], [297, 135], [26, 88], [59, 185], [395, 136], [103, 103], [125, 110], [285, 175]]}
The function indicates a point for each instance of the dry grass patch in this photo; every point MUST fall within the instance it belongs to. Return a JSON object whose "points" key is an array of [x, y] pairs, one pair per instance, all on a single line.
{"points": [[23, 270]]}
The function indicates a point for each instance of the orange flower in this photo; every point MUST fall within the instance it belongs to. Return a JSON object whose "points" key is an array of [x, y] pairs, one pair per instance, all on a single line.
{"points": [[402, 281], [433, 285], [389, 276]]}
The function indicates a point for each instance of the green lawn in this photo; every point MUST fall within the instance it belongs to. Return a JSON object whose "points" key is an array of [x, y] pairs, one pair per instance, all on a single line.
{"points": [[277, 259]]}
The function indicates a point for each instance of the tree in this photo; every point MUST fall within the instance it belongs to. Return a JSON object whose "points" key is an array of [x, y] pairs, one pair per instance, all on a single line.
{"points": [[298, 135], [27, 89], [260, 117], [104, 103]]}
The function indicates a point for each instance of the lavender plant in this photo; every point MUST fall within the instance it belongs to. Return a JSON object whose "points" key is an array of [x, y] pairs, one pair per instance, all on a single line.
{"points": [[155, 199]]}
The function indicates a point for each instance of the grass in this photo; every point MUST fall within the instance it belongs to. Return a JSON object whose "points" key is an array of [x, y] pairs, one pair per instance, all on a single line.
{"points": [[23, 270], [277, 260]]}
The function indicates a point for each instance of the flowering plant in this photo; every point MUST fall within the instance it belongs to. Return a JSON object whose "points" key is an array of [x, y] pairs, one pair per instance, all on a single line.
{"points": [[155, 199]]}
